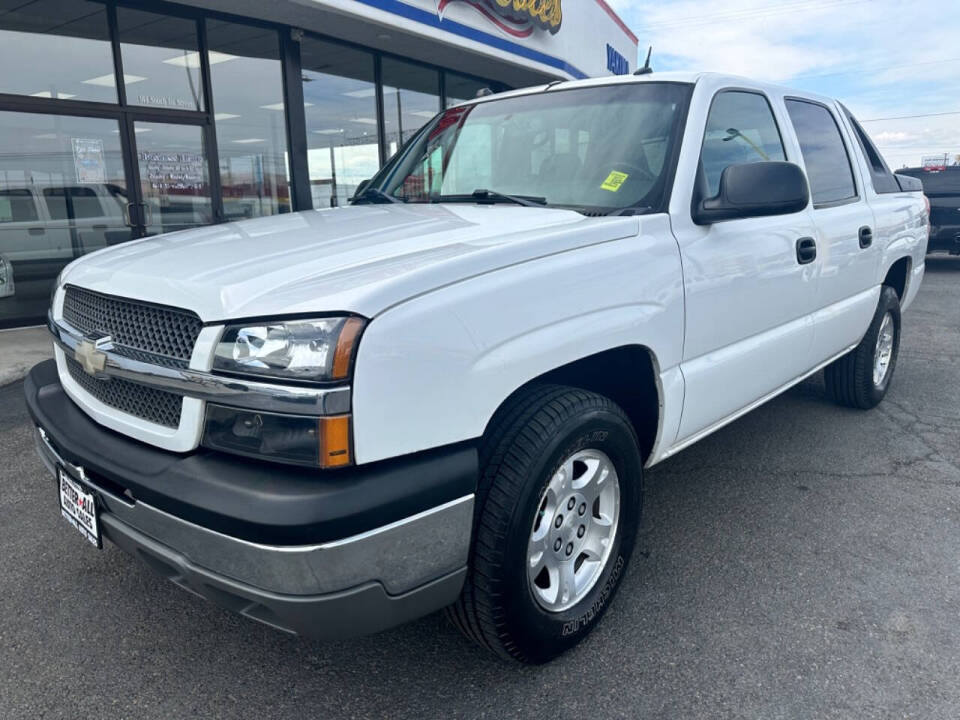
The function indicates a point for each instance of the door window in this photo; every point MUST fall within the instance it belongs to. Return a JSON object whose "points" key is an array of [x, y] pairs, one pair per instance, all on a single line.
{"points": [[17, 206], [740, 129], [824, 153], [72, 203]]}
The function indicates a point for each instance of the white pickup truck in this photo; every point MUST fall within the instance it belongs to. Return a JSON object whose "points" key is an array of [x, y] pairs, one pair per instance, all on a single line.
{"points": [[446, 394]]}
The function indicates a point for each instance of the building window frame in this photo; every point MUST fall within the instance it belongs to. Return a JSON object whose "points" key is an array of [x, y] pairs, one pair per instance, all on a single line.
{"points": [[295, 115]]}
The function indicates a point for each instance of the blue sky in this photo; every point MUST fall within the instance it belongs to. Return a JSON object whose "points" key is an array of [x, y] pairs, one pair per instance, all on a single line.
{"points": [[882, 58]]}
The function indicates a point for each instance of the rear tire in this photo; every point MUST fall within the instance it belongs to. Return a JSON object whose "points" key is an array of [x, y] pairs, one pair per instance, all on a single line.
{"points": [[550, 453], [861, 378]]}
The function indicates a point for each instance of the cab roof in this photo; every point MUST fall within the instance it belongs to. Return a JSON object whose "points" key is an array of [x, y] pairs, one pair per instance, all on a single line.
{"points": [[690, 78]]}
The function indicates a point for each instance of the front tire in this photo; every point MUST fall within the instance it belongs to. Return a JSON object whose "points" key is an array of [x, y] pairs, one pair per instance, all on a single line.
{"points": [[558, 508], [861, 378]]}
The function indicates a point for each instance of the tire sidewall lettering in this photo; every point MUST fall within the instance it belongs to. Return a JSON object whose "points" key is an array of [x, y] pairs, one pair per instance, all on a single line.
{"points": [[568, 626]]}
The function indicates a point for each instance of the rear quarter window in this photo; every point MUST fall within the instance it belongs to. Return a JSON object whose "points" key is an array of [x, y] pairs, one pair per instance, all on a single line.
{"points": [[880, 176], [829, 169]]}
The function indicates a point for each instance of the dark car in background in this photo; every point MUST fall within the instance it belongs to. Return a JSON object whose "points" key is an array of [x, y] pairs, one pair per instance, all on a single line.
{"points": [[942, 188]]}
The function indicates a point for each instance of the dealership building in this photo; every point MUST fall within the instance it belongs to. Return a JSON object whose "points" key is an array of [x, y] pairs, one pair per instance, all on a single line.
{"points": [[120, 120]]}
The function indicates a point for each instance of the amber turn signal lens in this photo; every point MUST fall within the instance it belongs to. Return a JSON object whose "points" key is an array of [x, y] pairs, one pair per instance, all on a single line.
{"points": [[335, 441], [345, 347]]}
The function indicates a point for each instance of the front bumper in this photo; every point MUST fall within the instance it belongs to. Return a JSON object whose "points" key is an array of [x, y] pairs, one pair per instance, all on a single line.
{"points": [[356, 576]]}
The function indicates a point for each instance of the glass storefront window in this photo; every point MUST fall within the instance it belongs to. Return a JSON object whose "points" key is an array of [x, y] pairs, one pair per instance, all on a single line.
{"points": [[63, 193], [411, 96], [63, 184], [340, 104], [161, 60], [57, 49], [459, 88], [174, 181], [248, 105]]}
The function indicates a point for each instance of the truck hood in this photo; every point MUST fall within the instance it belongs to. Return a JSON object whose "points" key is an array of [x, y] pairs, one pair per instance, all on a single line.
{"points": [[362, 259]]}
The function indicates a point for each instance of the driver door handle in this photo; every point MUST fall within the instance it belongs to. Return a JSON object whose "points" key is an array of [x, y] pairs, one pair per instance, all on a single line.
{"points": [[806, 250]]}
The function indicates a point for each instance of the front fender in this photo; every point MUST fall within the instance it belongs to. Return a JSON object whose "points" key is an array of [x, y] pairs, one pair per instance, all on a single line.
{"points": [[433, 371]]}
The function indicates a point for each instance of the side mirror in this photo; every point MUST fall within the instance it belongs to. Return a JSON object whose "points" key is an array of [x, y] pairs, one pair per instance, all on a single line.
{"points": [[755, 190], [360, 188]]}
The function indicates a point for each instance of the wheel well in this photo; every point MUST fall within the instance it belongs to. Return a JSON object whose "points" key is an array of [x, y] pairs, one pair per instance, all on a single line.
{"points": [[897, 276], [627, 375]]}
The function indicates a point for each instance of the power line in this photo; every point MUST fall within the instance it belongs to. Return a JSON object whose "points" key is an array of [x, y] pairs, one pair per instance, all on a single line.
{"points": [[695, 20], [746, 12], [874, 69], [911, 117]]}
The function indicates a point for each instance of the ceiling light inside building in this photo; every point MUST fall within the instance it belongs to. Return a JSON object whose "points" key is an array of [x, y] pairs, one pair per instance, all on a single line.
{"points": [[111, 81], [368, 92], [192, 59], [48, 94], [247, 141], [280, 106]]}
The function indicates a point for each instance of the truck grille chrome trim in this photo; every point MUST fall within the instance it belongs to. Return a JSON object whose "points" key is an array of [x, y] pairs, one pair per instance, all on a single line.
{"points": [[147, 403], [166, 334], [235, 392]]}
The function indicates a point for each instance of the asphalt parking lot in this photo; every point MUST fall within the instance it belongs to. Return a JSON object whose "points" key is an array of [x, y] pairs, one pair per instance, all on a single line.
{"points": [[803, 562]]}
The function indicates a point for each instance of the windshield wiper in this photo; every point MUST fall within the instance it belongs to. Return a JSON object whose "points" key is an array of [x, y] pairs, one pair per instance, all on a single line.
{"points": [[484, 195], [371, 193], [492, 196]]}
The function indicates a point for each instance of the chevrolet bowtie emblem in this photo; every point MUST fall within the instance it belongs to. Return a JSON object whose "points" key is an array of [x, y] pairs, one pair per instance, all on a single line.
{"points": [[89, 355]]}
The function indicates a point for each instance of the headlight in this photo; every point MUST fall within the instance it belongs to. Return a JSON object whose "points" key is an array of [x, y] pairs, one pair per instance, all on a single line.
{"points": [[319, 350], [296, 439]]}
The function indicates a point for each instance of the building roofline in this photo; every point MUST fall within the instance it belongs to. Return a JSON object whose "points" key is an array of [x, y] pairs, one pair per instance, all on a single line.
{"points": [[618, 20]]}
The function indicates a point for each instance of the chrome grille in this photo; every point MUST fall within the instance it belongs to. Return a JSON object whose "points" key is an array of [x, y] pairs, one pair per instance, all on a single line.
{"points": [[156, 329], [146, 403]]}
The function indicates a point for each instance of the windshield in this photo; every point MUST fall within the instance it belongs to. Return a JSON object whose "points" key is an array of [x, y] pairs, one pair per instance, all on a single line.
{"points": [[599, 149]]}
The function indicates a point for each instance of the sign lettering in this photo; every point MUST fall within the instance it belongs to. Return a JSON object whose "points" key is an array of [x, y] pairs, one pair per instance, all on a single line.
{"points": [[617, 63], [516, 17]]}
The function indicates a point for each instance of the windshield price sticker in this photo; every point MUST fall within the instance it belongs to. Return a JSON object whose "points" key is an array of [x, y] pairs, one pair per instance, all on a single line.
{"points": [[614, 181]]}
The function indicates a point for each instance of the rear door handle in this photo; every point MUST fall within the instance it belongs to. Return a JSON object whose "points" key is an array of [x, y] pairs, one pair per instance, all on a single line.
{"points": [[806, 250], [866, 237]]}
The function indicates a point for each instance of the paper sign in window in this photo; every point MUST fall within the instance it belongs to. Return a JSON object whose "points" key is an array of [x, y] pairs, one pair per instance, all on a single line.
{"points": [[614, 181]]}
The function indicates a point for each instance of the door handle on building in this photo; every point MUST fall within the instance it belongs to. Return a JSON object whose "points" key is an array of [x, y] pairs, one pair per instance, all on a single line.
{"points": [[147, 213]]}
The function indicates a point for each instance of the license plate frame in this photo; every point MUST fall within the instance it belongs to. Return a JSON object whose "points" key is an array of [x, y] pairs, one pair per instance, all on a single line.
{"points": [[79, 506]]}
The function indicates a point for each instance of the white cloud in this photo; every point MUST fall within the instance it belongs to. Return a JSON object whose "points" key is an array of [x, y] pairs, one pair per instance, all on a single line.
{"points": [[894, 136], [883, 58]]}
